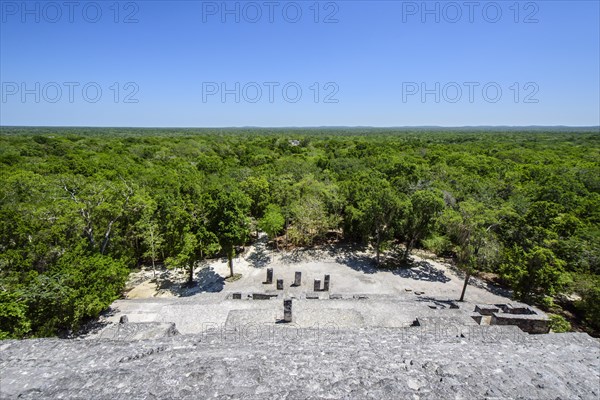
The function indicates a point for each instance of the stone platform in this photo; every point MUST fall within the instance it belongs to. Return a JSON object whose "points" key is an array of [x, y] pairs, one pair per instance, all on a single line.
{"points": [[395, 342], [481, 362]]}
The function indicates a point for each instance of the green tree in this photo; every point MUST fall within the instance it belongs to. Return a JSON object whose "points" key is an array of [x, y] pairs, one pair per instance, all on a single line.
{"points": [[208, 243], [14, 323], [471, 230], [533, 274], [152, 237], [419, 219], [272, 222], [228, 219], [187, 256], [309, 220], [375, 210], [257, 188]]}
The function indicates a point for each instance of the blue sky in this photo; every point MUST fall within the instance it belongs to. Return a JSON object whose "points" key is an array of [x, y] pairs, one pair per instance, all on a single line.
{"points": [[302, 63]]}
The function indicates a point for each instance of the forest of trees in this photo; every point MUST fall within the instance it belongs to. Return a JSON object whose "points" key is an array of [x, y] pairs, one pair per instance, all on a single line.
{"points": [[80, 208]]}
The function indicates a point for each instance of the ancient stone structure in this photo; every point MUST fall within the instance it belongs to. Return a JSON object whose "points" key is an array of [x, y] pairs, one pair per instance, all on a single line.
{"points": [[263, 296], [477, 317], [374, 363], [347, 345], [236, 296], [486, 309], [531, 323], [279, 284], [317, 285], [138, 331], [298, 278], [521, 315], [269, 276], [287, 311], [326, 283]]}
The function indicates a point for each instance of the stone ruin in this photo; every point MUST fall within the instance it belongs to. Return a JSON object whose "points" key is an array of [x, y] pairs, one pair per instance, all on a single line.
{"points": [[297, 279], [269, 279], [326, 282], [334, 345], [523, 316], [287, 310]]}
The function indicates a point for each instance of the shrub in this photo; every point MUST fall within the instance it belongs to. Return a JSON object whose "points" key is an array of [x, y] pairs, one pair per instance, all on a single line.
{"points": [[559, 324]]}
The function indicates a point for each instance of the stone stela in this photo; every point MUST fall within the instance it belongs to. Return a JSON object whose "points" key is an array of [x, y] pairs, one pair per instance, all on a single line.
{"points": [[279, 284], [287, 310], [269, 276], [317, 287], [298, 278]]}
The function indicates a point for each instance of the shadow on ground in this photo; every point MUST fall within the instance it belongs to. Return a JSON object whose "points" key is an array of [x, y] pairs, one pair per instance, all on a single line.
{"points": [[358, 259], [439, 303], [302, 254], [259, 258], [92, 327], [209, 281], [490, 287], [205, 281], [358, 262], [354, 258], [421, 271]]}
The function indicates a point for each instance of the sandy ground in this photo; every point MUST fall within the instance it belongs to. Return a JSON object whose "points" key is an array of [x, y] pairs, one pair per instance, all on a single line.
{"points": [[352, 271]]}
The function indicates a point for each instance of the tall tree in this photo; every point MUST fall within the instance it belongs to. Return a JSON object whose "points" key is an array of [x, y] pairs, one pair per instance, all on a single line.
{"points": [[186, 258], [228, 219], [374, 210], [534, 273], [472, 232], [309, 220], [272, 222], [419, 220], [149, 232]]}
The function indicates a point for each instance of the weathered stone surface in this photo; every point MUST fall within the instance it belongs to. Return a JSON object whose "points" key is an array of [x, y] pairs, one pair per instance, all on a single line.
{"points": [[263, 296], [138, 331], [298, 278], [531, 323], [486, 309], [269, 276], [477, 317], [345, 346], [289, 363], [317, 285], [287, 310]]}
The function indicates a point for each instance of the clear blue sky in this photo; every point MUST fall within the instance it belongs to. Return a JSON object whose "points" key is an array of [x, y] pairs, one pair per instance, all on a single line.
{"points": [[371, 62]]}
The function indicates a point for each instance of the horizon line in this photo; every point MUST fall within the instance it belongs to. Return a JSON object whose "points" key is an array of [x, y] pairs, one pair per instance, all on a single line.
{"points": [[309, 127]]}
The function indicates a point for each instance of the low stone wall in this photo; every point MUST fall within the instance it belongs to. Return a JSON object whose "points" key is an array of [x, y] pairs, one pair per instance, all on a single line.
{"points": [[486, 309], [263, 296], [530, 323]]}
